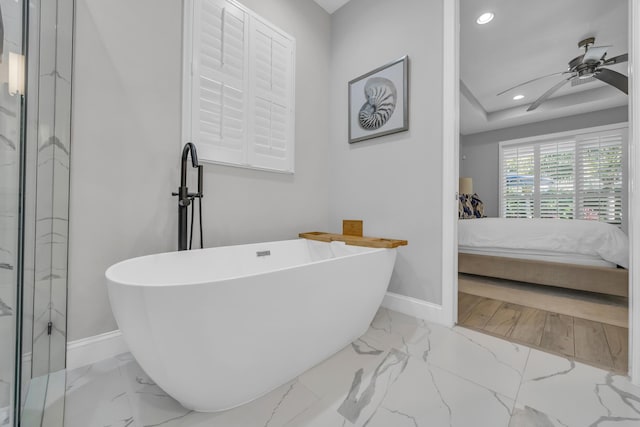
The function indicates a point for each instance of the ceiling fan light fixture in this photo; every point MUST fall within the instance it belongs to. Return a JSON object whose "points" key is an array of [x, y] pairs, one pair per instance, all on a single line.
{"points": [[485, 18], [518, 97], [586, 74]]}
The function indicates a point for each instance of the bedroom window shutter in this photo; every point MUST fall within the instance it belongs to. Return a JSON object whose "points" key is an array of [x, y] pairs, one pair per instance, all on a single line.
{"points": [[557, 179], [600, 175], [518, 189], [576, 175], [240, 103]]}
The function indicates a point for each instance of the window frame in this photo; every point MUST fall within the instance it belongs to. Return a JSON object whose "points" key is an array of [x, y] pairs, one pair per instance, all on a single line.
{"points": [[576, 135], [189, 68]]}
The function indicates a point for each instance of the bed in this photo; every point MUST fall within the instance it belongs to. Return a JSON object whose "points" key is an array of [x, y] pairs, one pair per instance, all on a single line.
{"points": [[576, 254]]}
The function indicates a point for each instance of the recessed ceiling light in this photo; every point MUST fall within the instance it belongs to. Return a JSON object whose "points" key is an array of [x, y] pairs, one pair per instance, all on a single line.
{"points": [[485, 18], [518, 97]]}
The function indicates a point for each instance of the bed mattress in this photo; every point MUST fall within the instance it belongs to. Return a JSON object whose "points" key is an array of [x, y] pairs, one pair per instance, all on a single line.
{"points": [[557, 240]]}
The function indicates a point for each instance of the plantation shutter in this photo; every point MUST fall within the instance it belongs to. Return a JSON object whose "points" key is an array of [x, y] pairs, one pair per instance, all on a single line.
{"points": [[272, 84], [579, 176], [600, 170], [557, 179], [518, 189], [240, 89], [218, 119]]}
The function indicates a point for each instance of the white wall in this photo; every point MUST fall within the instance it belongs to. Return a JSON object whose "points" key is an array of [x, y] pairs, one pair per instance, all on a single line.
{"points": [[393, 183], [479, 151], [126, 146]]}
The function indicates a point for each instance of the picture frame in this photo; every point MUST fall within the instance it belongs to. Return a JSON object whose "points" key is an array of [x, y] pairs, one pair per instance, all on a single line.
{"points": [[379, 102]]}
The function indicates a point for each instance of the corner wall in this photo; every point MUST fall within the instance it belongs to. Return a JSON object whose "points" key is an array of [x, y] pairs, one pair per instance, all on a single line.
{"points": [[393, 183], [126, 144]]}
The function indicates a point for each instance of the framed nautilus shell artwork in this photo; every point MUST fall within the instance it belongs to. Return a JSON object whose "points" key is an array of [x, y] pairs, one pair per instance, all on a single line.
{"points": [[378, 102]]}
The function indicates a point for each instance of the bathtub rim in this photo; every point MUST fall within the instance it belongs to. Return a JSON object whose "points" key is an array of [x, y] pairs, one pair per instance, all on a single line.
{"points": [[369, 250]]}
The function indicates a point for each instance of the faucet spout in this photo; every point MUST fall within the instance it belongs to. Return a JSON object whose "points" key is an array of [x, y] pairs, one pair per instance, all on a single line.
{"points": [[188, 147]]}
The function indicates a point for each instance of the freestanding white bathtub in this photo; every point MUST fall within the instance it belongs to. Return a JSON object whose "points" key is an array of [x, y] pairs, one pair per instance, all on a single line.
{"points": [[219, 327]]}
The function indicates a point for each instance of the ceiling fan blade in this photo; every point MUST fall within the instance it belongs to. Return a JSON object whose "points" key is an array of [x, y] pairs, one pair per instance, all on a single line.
{"points": [[617, 59], [615, 79], [594, 54], [547, 94], [532, 80]]}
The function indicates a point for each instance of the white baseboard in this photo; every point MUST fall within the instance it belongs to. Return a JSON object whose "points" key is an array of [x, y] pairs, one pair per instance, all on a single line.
{"points": [[424, 310], [93, 349]]}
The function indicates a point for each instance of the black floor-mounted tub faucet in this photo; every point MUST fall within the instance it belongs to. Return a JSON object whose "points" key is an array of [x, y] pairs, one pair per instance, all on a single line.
{"points": [[185, 198]]}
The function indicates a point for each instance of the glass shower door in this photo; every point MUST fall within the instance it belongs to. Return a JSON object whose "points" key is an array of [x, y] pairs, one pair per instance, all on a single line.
{"points": [[11, 155]]}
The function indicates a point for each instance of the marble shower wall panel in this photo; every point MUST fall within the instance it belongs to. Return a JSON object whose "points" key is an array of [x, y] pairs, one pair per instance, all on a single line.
{"points": [[9, 143], [44, 200], [30, 201], [60, 210], [10, 132], [40, 352], [44, 190], [58, 276], [42, 288], [64, 64], [9, 187], [58, 344], [7, 329], [52, 200]]}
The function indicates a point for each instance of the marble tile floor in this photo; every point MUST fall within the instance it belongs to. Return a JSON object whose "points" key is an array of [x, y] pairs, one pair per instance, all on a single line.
{"points": [[402, 372]]}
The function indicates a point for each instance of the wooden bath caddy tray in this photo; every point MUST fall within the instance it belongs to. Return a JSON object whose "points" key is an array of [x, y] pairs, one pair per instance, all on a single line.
{"points": [[352, 235]]}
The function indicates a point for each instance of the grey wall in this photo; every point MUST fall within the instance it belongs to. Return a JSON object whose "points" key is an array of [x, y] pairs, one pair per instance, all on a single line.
{"points": [[126, 144], [393, 183], [479, 151]]}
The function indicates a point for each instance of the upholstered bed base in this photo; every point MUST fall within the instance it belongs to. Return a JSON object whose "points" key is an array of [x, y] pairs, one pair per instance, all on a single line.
{"points": [[611, 281]]}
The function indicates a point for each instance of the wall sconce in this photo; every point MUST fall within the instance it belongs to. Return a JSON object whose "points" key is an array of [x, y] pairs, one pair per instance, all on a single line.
{"points": [[16, 73], [465, 186]]}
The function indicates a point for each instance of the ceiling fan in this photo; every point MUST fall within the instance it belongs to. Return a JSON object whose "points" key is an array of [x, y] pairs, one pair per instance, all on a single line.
{"points": [[590, 64]]}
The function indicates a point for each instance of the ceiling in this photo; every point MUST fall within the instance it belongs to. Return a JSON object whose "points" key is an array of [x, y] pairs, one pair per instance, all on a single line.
{"points": [[529, 39], [331, 5]]}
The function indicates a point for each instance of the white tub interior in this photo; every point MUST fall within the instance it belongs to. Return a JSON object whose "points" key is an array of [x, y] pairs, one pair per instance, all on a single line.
{"points": [[224, 263]]}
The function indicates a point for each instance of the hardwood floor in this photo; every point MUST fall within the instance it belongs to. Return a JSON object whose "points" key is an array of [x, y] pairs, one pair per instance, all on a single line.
{"points": [[595, 343], [585, 305]]}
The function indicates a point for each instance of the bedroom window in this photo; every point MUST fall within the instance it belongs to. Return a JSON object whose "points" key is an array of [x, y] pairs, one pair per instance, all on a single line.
{"points": [[238, 87], [573, 175]]}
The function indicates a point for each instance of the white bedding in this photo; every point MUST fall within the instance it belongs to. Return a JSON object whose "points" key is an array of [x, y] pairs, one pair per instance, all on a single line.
{"points": [[556, 236]]}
